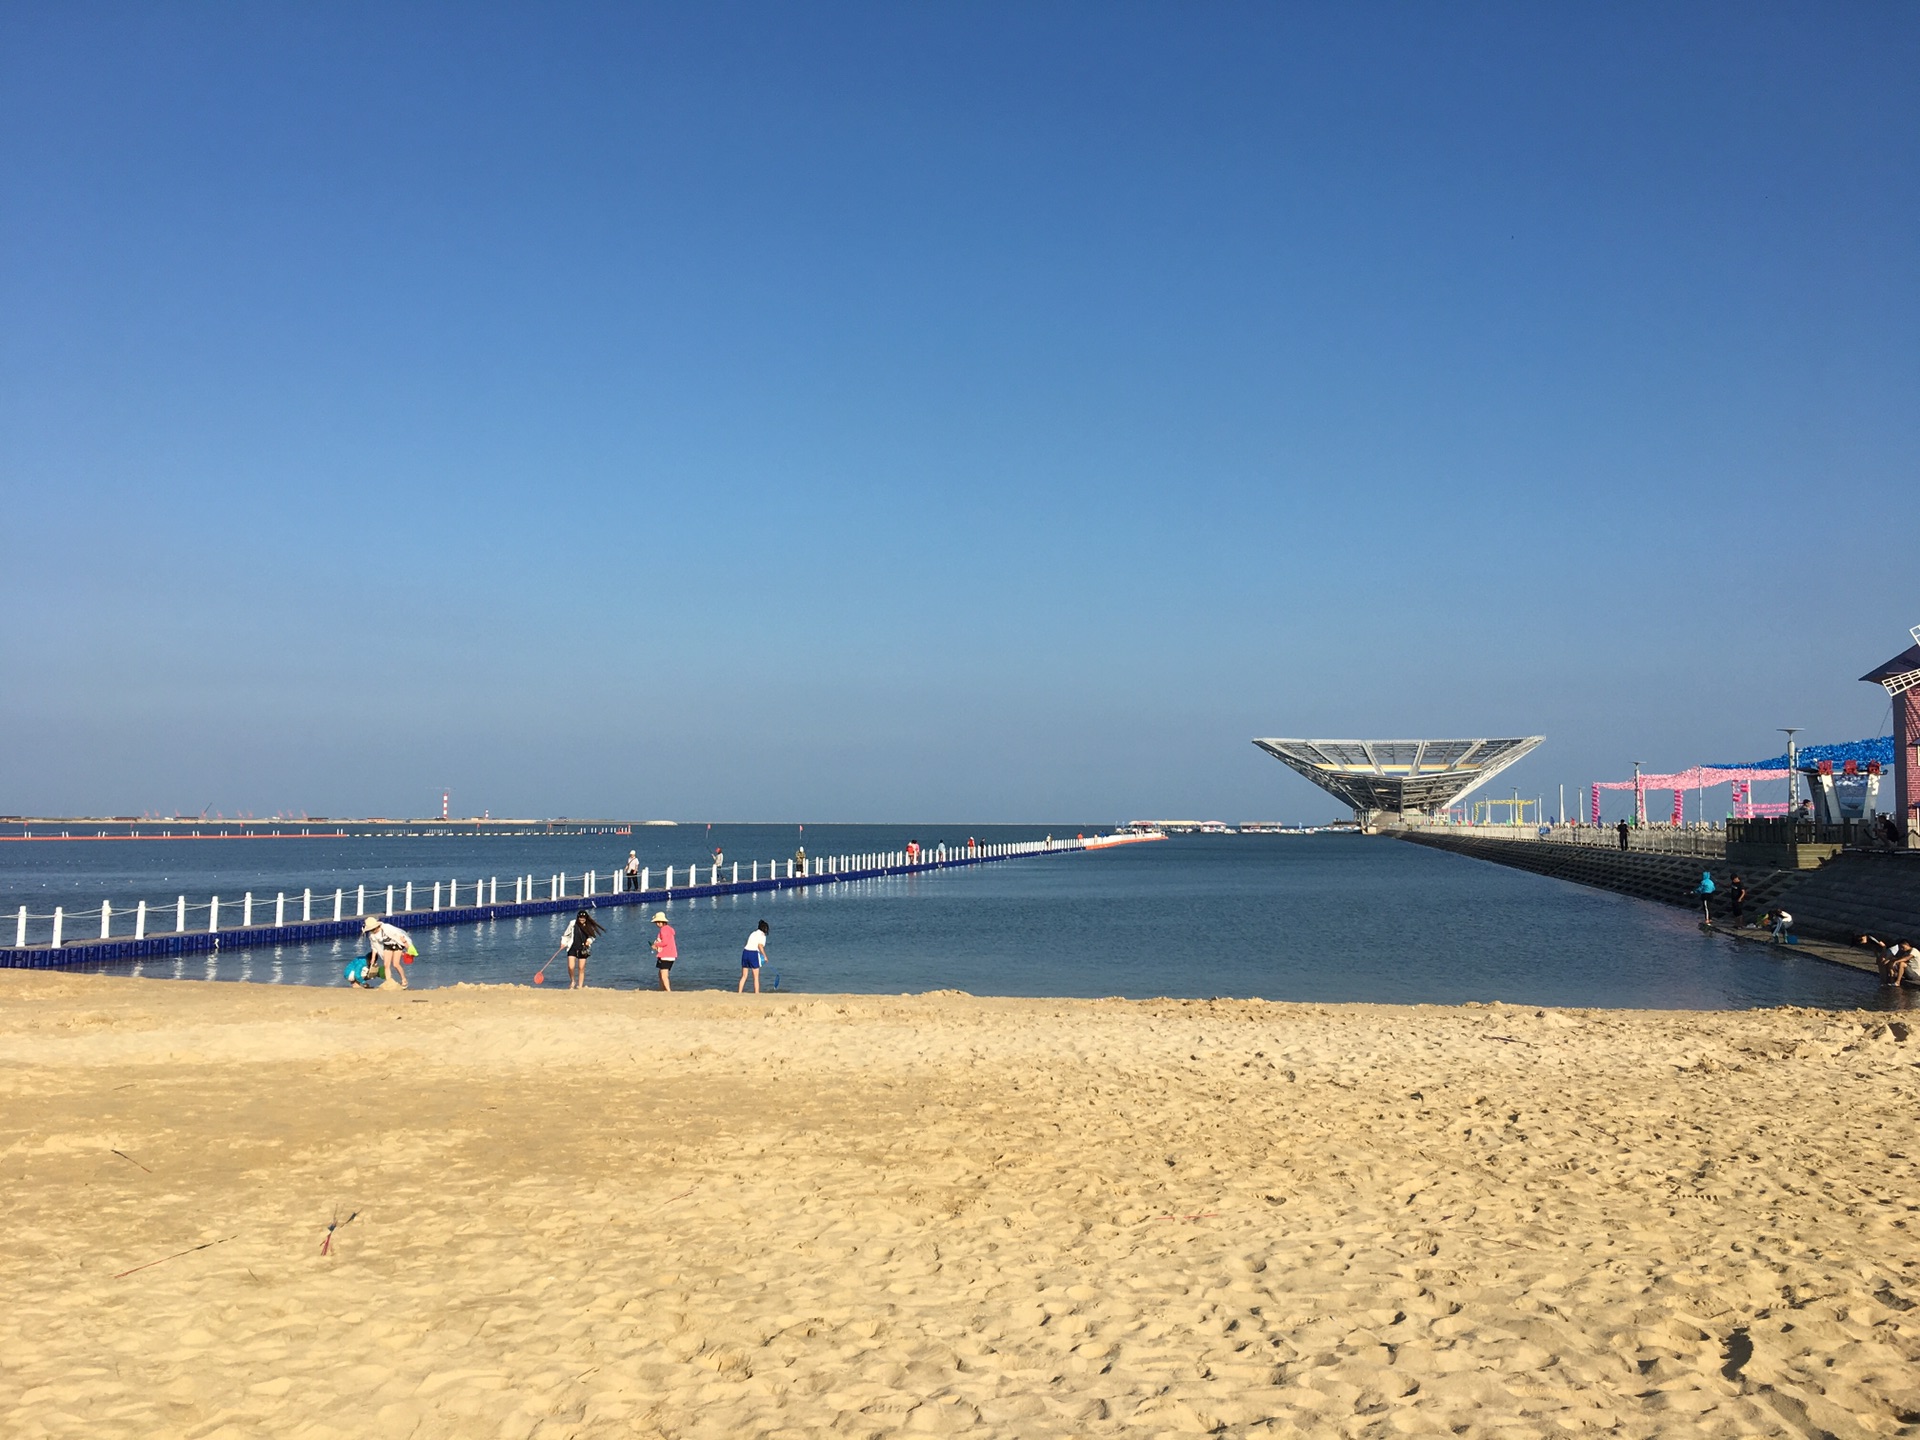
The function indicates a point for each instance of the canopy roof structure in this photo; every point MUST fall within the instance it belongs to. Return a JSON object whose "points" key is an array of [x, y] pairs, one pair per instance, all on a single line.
{"points": [[1902, 672], [1397, 776]]}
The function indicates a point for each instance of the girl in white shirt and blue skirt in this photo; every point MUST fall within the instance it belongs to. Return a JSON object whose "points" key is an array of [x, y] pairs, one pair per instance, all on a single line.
{"points": [[753, 957]]}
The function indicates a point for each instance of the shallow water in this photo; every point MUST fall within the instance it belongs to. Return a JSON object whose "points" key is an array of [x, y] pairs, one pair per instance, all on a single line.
{"points": [[1328, 918]]}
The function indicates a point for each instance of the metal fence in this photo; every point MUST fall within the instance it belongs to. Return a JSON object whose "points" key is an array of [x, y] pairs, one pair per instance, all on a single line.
{"points": [[1704, 841]]}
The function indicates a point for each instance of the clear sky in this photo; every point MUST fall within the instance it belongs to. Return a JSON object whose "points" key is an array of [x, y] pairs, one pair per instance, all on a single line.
{"points": [[918, 411]]}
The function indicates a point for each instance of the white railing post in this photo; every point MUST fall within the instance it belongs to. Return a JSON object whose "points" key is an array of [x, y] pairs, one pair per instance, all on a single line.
{"points": [[20, 930], [493, 892], [106, 919], [360, 901], [306, 906], [389, 900], [736, 872], [669, 877], [140, 921], [213, 915], [409, 895], [180, 917], [339, 901], [453, 894], [280, 909], [246, 909], [646, 875], [59, 919]]}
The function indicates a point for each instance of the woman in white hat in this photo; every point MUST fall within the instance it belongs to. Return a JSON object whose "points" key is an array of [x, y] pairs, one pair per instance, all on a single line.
{"points": [[666, 950], [391, 948]]}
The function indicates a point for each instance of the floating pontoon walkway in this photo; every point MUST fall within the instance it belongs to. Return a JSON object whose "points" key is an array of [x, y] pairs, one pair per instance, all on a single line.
{"points": [[829, 870]]}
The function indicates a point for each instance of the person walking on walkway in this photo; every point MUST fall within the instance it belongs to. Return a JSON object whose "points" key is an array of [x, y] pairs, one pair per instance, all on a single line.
{"points": [[666, 949], [633, 869], [391, 949], [752, 956], [577, 941], [1625, 830]]}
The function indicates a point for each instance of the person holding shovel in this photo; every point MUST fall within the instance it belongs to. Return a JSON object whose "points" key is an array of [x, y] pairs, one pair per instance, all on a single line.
{"points": [[752, 956]]}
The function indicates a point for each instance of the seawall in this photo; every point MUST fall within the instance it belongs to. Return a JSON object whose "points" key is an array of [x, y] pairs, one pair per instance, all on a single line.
{"points": [[1851, 894], [1643, 874]]}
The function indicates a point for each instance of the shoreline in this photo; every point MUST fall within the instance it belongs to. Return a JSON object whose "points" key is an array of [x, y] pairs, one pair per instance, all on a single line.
{"points": [[704, 1214]]}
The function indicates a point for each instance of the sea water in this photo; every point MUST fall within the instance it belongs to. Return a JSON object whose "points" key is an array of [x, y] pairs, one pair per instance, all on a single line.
{"points": [[1282, 917]]}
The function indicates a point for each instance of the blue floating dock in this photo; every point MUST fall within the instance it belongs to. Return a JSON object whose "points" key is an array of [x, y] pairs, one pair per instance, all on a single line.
{"points": [[191, 942]]}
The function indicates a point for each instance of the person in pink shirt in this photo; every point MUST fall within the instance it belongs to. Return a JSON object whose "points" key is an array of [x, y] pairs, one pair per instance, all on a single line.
{"points": [[666, 950]]}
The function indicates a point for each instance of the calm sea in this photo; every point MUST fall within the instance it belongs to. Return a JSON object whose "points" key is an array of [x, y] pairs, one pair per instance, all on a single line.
{"points": [[1329, 917]]}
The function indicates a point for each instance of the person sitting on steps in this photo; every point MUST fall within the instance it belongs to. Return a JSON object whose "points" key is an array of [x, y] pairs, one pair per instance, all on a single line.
{"points": [[1891, 957]]}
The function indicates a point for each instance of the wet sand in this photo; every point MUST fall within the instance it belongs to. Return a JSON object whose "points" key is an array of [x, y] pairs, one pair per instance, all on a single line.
{"points": [[625, 1214]]}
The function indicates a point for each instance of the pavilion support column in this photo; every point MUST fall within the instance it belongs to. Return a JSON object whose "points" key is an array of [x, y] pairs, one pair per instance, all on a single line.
{"points": [[1906, 764]]}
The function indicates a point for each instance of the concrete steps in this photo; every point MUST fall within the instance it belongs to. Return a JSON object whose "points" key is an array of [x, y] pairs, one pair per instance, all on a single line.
{"points": [[1855, 892]]}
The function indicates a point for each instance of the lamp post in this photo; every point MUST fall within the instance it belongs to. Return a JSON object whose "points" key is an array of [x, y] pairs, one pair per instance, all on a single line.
{"points": [[1793, 767], [1639, 798]]}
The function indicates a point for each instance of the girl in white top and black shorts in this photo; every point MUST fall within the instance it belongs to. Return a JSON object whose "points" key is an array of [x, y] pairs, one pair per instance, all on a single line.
{"points": [[753, 956]]}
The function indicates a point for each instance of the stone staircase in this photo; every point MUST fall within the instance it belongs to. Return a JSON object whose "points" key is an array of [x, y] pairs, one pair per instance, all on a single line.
{"points": [[1855, 892]]}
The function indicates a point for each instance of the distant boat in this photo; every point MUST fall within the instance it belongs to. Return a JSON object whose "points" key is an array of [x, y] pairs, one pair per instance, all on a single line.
{"points": [[1121, 837]]}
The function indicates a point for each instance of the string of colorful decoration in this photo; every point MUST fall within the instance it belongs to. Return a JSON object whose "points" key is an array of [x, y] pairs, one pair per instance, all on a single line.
{"points": [[1853, 757]]}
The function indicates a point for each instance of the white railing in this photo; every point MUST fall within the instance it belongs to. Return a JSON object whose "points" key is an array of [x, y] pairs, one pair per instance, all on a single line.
{"points": [[1698, 840]]}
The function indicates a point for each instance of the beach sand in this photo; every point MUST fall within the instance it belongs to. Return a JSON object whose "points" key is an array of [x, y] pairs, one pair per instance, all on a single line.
{"points": [[615, 1214]]}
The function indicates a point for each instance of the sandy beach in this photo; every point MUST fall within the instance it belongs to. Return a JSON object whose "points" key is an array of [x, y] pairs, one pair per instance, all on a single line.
{"points": [[629, 1214]]}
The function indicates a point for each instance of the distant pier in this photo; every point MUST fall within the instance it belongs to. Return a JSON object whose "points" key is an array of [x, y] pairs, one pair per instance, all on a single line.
{"points": [[318, 827]]}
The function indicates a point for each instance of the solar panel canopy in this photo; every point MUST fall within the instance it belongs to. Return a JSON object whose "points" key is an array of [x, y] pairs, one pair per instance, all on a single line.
{"points": [[1398, 777]]}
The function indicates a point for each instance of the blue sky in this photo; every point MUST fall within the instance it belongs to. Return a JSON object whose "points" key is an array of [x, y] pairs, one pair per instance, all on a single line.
{"points": [[905, 412]]}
